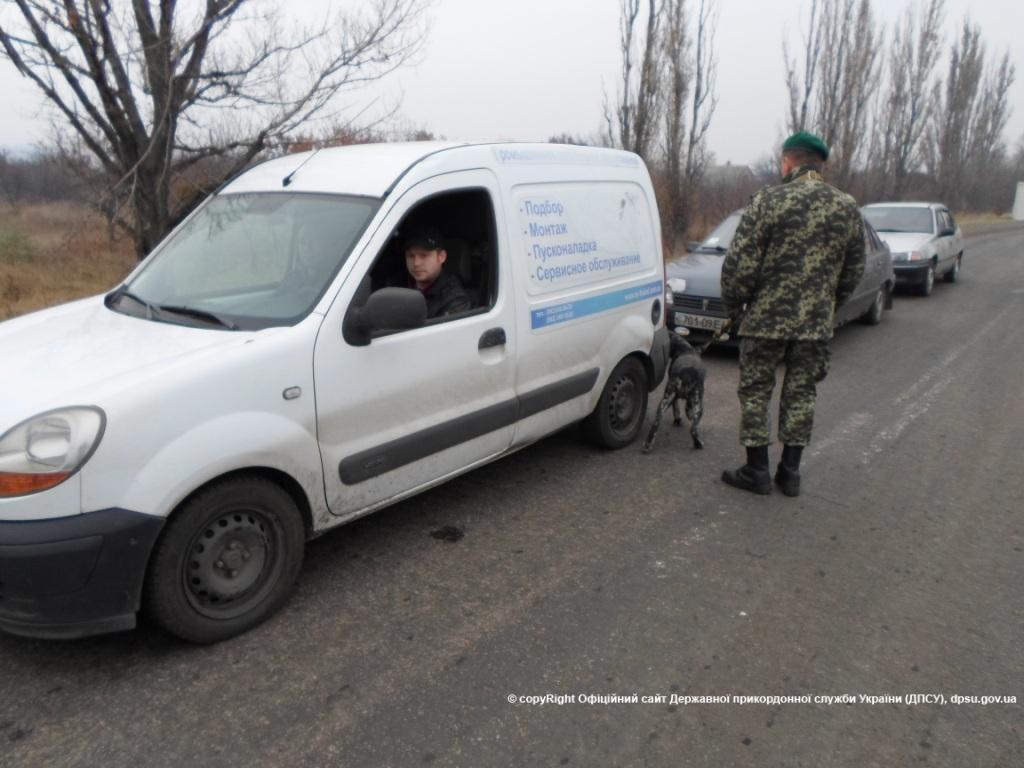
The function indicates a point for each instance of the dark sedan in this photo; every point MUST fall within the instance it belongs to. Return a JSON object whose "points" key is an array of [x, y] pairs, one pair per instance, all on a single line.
{"points": [[698, 305]]}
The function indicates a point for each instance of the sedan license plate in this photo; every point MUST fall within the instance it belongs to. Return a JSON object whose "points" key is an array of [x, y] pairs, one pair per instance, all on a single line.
{"points": [[700, 322]]}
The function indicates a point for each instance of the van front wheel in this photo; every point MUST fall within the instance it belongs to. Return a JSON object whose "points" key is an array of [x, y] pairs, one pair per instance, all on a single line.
{"points": [[226, 561], [619, 415]]}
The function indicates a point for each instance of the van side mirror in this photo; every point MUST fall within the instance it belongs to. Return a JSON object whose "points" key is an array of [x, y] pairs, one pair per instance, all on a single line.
{"points": [[389, 309]]}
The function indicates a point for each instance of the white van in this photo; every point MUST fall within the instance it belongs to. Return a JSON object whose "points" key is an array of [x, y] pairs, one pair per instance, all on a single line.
{"points": [[266, 374]]}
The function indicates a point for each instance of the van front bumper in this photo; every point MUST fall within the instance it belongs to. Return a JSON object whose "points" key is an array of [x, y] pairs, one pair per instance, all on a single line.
{"points": [[74, 576]]}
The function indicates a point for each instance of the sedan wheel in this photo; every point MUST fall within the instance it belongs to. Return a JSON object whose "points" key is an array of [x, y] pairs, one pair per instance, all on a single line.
{"points": [[874, 314]]}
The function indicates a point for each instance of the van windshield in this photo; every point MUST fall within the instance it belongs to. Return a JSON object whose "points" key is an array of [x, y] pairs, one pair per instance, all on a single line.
{"points": [[248, 261]]}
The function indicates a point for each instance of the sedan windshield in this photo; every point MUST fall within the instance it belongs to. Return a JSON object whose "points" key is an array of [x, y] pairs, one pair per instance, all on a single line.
{"points": [[900, 219], [248, 261]]}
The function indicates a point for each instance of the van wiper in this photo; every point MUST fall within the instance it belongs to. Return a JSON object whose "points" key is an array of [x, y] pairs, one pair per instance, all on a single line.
{"points": [[124, 293], [713, 248], [199, 314]]}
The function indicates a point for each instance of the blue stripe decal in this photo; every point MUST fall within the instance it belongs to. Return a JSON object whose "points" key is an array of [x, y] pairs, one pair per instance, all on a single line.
{"points": [[572, 310]]}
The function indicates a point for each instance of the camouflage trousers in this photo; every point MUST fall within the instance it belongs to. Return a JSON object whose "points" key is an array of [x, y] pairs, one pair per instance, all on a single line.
{"points": [[806, 365]]}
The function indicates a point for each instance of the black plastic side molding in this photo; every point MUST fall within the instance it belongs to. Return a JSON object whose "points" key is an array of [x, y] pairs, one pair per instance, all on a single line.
{"points": [[376, 461]]}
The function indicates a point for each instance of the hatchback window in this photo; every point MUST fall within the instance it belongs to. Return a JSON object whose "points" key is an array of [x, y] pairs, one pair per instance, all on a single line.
{"points": [[900, 219], [249, 261]]}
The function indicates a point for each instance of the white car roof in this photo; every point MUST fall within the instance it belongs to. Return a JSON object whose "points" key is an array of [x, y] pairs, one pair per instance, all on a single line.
{"points": [[361, 169], [373, 169], [905, 205]]}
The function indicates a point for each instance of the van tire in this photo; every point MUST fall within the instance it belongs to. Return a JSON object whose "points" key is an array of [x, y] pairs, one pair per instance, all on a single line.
{"points": [[227, 560], [620, 411]]}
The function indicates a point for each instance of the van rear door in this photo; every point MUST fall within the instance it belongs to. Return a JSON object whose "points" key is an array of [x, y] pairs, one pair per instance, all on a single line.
{"points": [[587, 256]]}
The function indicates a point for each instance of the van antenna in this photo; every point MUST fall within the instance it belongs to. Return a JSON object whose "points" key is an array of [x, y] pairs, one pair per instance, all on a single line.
{"points": [[288, 179]]}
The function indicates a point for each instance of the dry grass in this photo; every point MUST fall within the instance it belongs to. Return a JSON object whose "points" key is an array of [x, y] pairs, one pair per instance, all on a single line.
{"points": [[986, 223], [53, 253]]}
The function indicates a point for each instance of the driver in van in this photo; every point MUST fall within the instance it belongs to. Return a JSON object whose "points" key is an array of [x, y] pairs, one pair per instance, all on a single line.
{"points": [[424, 259]]}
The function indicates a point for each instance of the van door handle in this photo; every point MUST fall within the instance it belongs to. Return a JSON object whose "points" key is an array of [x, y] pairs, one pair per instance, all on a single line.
{"points": [[495, 337]]}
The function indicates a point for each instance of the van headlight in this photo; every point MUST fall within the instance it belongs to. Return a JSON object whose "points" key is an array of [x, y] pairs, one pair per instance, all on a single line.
{"points": [[47, 449]]}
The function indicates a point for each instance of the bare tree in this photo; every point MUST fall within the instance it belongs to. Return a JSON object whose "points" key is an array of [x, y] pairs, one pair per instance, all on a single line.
{"points": [[705, 97], [40, 176], [971, 113], [840, 70], [800, 85], [837, 22], [908, 102], [633, 122], [987, 152], [861, 68], [676, 54], [1017, 164], [152, 91], [689, 102], [9, 180]]}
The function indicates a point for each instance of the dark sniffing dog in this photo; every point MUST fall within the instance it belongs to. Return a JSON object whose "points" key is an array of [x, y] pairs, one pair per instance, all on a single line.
{"points": [[685, 384]]}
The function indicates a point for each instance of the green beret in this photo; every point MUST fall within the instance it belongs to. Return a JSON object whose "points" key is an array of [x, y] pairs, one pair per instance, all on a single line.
{"points": [[806, 141]]}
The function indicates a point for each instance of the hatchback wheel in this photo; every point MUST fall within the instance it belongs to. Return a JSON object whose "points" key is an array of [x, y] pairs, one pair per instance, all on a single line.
{"points": [[226, 561], [954, 273], [619, 415], [926, 285]]}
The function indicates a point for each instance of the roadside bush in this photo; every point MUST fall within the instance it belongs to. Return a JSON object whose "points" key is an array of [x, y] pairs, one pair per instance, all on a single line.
{"points": [[15, 246], [56, 252]]}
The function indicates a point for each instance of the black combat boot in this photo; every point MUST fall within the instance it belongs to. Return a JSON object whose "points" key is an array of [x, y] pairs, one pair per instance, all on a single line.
{"points": [[787, 476], [754, 475]]}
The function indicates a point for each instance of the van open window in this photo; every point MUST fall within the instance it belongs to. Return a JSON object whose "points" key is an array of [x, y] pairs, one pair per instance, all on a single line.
{"points": [[464, 221]]}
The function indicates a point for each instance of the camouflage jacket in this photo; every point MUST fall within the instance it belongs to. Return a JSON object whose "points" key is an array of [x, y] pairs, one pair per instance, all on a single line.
{"points": [[798, 253]]}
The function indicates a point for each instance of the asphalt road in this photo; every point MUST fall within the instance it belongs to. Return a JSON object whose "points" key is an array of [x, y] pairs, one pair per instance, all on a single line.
{"points": [[899, 571]]}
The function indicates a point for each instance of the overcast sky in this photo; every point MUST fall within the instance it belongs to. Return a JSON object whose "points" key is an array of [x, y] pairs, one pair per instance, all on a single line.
{"points": [[530, 69]]}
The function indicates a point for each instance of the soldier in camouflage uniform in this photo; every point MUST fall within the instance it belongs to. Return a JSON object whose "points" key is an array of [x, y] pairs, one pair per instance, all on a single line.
{"points": [[797, 255]]}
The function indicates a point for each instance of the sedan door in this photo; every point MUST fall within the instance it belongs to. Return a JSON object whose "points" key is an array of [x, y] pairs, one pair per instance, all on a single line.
{"points": [[865, 291]]}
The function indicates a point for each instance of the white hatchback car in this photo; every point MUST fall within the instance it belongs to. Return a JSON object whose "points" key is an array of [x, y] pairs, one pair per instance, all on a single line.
{"points": [[925, 241], [269, 372]]}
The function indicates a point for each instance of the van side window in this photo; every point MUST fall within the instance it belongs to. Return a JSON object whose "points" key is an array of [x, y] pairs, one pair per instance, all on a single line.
{"points": [[464, 221]]}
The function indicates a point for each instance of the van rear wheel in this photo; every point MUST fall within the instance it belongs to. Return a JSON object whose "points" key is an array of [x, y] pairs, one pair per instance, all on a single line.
{"points": [[226, 561], [620, 411]]}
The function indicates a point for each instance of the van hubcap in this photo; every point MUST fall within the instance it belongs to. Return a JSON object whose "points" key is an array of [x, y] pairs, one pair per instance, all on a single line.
{"points": [[623, 404], [229, 562]]}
